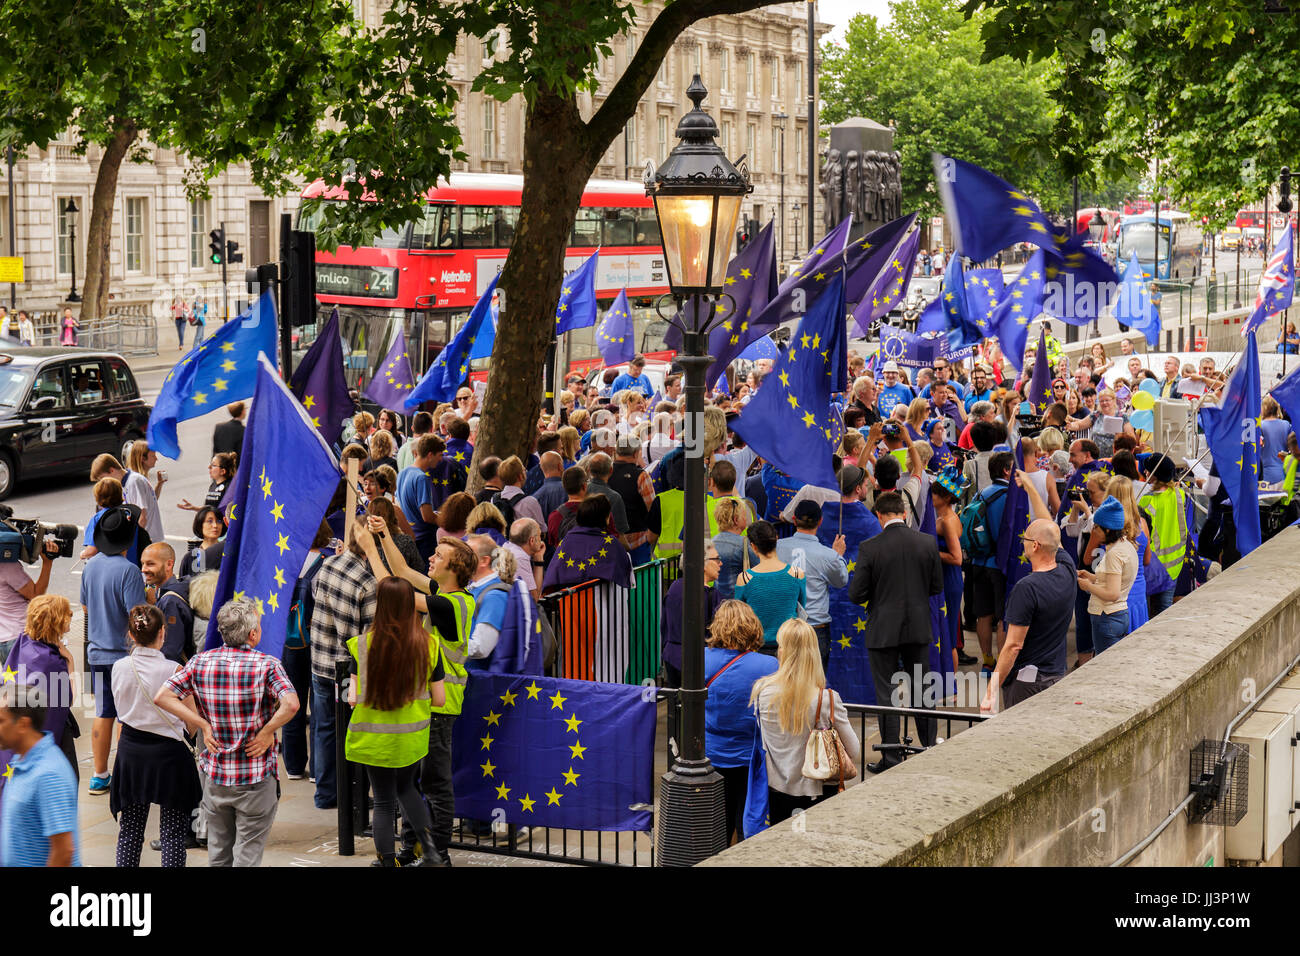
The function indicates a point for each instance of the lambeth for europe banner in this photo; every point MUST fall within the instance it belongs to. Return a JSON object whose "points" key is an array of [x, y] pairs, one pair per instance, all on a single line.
{"points": [[544, 752]]}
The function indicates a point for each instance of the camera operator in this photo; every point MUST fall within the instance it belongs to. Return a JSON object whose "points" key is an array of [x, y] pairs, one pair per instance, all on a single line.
{"points": [[16, 589]]}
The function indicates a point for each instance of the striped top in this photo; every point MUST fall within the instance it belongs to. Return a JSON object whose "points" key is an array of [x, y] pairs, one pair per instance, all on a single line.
{"points": [[39, 801]]}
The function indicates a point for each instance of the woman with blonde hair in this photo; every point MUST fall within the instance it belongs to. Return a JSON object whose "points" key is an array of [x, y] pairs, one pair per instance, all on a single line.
{"points": [[1135, 528], [1050, 440], [486, 518], [732, 516], [791, 704], [39, 654], [570, 445], [917, 413], [382, 450], [730, 669]]}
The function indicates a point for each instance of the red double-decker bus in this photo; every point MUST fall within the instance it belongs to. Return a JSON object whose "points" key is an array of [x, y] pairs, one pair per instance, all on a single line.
{"points": [[426, 276]]}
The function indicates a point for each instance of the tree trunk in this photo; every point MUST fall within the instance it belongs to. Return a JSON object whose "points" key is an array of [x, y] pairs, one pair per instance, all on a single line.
{"points": [[99, 233], [558, 162]]}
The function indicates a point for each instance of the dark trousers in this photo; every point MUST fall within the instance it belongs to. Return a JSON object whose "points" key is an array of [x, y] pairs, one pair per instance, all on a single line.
{"points": [[297, 664], [885, 662], [735, 783], [1082, 623], [824, 644], [435, 784], [782, 806], [1018, 690], [672, 676], [393, 787]]}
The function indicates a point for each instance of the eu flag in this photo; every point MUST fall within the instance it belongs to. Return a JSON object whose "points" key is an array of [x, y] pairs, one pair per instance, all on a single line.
{"points": [[614, 335], [486, 339], [751, 282], [546, 752], [1287, 394], [788, 421], [957, 309], [588, 554], [394, 379], [1276, 284], [879, 270], [1011, 557], [1233, 434], [906, 348], [1018, 304], [795, 296], [1040, 383], [761, 348], [577, 305], [287, 476], [1080, 281], [221, 370], [988, 214], [983, 292], [319, 383], [449, 369], [1134, 307]]}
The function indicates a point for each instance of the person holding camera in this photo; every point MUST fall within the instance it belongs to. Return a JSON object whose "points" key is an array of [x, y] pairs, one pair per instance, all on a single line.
{"points": [[16, 590]]}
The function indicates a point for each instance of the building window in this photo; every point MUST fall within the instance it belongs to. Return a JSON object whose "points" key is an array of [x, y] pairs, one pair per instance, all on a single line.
{"points": [[751, 139], [749, 74], [629, 135], [631, 46], [135, 213], [726, 137], [798, 150], [724, 71], [776, 150], [663, 72], [774, 77], [489, 129], [66, 226], [798, 82], [663, 138], [198, 234]]}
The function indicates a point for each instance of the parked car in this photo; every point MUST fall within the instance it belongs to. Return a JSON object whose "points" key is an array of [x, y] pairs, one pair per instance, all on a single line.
{"points": [[60, 407]]}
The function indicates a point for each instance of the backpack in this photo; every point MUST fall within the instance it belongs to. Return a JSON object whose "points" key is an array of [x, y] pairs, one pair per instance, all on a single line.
{"points": [[568, 518], [507, 509], [978, 540], [298, 633]]}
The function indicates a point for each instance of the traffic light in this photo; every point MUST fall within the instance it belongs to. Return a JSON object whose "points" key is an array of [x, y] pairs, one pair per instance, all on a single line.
{"points": [[232, 251], [217, 245]]}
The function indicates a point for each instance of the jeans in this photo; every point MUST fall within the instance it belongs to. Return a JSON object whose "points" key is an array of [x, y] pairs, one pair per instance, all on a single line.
{"points": [[198, 334], [180, 332], [297, 663], [5, 648], [322, 744], [1159, 602], [1107, 629]]}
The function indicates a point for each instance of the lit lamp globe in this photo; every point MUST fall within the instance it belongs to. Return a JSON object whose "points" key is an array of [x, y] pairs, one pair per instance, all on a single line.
{"points": [[697, 194]]}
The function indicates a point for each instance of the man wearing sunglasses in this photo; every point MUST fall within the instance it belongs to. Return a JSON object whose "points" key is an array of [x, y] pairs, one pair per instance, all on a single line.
{"points": [[1038, 611], [465, 404]]}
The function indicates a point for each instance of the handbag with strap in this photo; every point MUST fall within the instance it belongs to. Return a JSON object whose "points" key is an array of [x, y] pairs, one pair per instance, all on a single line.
{"points": [[825, 756], [710, 681], [167, 718]]}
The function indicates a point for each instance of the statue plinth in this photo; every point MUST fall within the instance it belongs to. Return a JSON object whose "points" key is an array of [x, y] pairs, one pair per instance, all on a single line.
{"points": [[860, 176]]}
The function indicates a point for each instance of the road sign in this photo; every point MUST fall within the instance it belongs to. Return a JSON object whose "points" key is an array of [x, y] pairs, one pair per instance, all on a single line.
{"points": [[11, 268]]}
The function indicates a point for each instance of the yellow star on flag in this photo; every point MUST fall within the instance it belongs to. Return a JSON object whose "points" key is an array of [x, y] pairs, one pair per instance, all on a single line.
{"points": [[573, 722], [277, 512], [493, 718], [508, 698], [220, 384], [227, 366], [844, 641], [578, 750], [557, 701], [200, 398], [571, 778], [283, 543], [9, 772], [10, 675], [503, 792], [527, 802], [488, 768], [533, 690], [228, 347], [274, 601], [553, 797], [486, 741], [279, 576], [309, 401]]}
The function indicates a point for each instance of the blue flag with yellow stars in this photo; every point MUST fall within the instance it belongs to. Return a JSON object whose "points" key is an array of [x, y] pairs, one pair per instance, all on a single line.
{"points": [[1080, 282], [1134, 307], [1232, 431], [788, 421], [1019, 303], [577, 306], [220, 371], [287, 476], [546, 752], [450, 368], [319, 383], [588, 554], [1287, 394], [983, 292], [751, 282], [906, 348], [879, 270], [794, 298], [849, 671], [1011, 557], [987, 213], [1039, 395], [394, 380], [959, 314], [614, 335]]}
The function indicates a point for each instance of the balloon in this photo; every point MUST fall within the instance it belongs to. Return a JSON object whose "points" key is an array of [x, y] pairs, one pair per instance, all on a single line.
{"points": [[1144, 420], [1143, 401], [1150, 387]]}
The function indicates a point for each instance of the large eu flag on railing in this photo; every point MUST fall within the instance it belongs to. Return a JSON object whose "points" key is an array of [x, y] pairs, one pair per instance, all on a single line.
{"points": [[286, 478], [1232, 431], [544, 752], [221, 370]]}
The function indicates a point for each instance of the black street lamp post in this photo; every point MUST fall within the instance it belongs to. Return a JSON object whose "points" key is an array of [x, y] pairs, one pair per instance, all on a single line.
{"points": [[779, 122], [1284, 207], [71, 211], [697, 194]]}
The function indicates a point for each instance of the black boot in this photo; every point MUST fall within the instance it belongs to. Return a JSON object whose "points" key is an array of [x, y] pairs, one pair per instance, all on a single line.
{"points": [[385, 860], [407, 855], [430, 855]]}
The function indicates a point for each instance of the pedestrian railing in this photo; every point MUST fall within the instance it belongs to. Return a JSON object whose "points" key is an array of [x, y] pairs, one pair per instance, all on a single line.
{"points": [[128, 329]]}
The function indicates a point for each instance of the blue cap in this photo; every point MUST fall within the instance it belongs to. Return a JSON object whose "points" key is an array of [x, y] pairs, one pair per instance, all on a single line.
{"points": [[1109, 515], [1001, 446]]}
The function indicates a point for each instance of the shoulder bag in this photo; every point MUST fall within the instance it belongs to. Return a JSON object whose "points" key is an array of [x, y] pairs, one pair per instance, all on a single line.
{"points": [[824, 755]]}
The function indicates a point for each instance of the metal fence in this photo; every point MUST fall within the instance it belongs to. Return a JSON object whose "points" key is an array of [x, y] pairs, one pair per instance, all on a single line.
{"points": [[128, 329], [608, 633]]}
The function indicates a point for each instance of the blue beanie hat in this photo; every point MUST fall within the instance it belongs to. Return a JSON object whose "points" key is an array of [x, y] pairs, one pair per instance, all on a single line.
{"points": [[1109, 515]]}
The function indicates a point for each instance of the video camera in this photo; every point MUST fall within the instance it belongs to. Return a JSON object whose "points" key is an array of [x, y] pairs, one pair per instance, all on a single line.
{"points": [[23, 539], [1029, 425]]}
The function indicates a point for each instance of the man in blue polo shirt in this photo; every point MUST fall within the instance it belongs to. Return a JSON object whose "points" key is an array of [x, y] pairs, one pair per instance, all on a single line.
{"points": [[415, 493], [634, 377], [893, 392], [38, 810]]}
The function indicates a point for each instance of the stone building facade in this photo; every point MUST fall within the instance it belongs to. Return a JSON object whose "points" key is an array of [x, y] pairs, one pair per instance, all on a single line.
{"points": [[754, 65]]}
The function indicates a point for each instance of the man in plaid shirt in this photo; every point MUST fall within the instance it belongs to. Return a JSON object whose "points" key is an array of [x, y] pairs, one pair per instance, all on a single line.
{"points": [[344, 592], [242, 698]]}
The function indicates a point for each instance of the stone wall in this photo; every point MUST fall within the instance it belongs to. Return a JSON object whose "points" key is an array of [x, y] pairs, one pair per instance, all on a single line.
{"points": [[1083, 772]]}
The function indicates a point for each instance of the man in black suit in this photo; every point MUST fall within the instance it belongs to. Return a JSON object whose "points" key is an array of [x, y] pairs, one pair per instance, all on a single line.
{"points": [[229, 435], [897, 572]]}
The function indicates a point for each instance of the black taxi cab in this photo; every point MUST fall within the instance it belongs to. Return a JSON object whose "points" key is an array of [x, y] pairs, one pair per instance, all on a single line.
{"points": [[60, 407]]}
